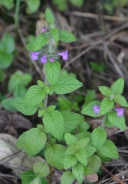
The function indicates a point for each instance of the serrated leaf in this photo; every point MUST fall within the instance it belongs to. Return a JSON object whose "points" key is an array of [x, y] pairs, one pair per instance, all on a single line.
{"points": [[49, 16], [105, 91], [98, 137], [106, 105], [20, 142], [118, 121], [66, 84], [70, 139], [78, 172], [55, 34], [41, 169], [71, 120], [81, 156], [118, 86], [95, 163], [90, 150], [54, 155], [34, 96], [66, 36], [87, 171], [69, 161], [67, 177], [88, 110], [54, 123], [34, 141], [121, 100], [109, 150], [39, 42], [71, 150], [52, 71], [18, 103], [83, 142], [83, 135]]}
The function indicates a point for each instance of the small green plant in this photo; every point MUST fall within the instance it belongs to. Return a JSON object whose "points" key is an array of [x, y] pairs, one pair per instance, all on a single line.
{"points": [[97, 67], [62, 138]]}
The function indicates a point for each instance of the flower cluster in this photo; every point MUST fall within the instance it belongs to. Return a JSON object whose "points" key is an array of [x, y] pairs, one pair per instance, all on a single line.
{"points": [[120, 111], [43, 59]]}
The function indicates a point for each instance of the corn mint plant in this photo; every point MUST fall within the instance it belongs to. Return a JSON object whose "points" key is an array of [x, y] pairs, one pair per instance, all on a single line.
{"points": [[78, 154]]}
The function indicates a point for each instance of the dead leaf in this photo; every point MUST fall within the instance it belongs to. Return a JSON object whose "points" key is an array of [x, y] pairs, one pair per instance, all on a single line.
{"points": [[13, 158], [92, 177]]}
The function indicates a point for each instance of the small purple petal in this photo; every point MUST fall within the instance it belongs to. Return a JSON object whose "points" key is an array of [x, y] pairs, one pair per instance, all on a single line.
{"points": [[96, 109], [43, 30], [64, 55], [34, 55], [43, 59], [120, 111], [51, 59]]}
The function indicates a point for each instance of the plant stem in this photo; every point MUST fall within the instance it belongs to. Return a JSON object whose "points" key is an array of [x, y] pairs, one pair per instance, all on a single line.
{"points": [[17, 13], [50, 50]]}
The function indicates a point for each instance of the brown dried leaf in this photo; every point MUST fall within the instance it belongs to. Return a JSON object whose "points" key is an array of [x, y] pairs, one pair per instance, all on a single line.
{"points": [[92, 177]]}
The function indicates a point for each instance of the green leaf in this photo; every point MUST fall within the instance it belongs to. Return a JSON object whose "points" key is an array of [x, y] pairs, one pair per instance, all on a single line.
{"points": [[55, 34], [39, 42], [98, 137], [20, 142], [70, 139], [106, 105], [81, 156], [33, 5], [105, 91], [14, 81], [83, 126], [52, 71], [78, 172], [71, 150], [41, 169], [83, 142], [95, 163], [54, 123], [8, 43], [67, 177], [83, 135], [34, 96], [18, 103], [6, 104], [118, 86], [88, 171], [66, 84], [88, 110], [90, 150], [118, 121], [28, 177], [5, 60], [77, 2], [69, 161], [34, 141], [26, 79], [49, 16], [109, 150], [121, 100], [66, 36], [54, 155], [71, 120], [8, 4], [20, 91]]}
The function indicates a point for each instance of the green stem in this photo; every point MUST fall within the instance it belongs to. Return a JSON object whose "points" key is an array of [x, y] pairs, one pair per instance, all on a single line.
{"points": [[50, 50], [17, 13]]}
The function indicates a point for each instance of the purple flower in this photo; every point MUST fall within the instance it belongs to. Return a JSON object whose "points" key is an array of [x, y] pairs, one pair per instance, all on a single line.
{"points": [[96, 109], [43, 29], [64, 55], [120, 111], [34, 55], [43, 59], [51, 59]]}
